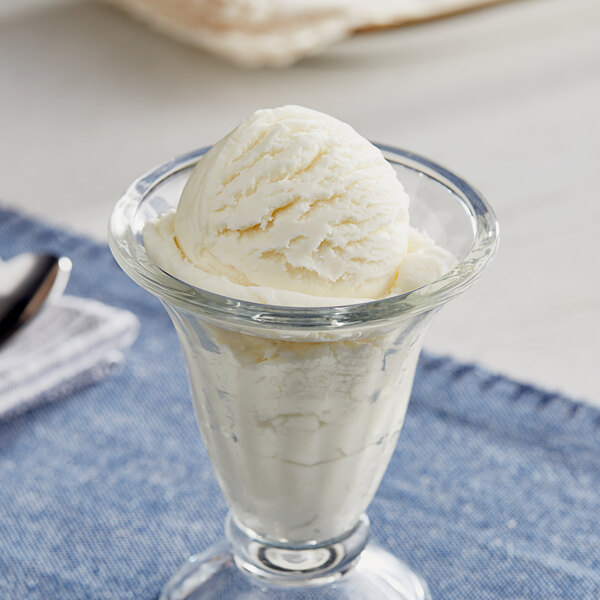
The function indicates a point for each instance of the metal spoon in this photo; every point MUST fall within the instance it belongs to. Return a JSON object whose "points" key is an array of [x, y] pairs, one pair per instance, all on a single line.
{"points": [[26, 282]]}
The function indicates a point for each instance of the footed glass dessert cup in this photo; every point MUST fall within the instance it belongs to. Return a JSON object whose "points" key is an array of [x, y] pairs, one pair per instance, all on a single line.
{"points": [[300, 408]]}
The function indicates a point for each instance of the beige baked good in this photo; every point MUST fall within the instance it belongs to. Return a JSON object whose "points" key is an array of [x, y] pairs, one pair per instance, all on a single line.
{"points": [[257, 33]]}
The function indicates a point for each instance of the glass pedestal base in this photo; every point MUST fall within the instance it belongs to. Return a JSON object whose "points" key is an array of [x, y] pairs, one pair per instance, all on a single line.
{"points": [[342, 570]]}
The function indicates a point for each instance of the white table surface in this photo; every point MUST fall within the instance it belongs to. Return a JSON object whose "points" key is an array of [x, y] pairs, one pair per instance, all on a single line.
{"points": [[508, 97]]}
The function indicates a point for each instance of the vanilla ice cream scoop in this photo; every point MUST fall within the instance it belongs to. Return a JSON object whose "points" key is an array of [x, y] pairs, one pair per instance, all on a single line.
{"points": [[295, 207]]}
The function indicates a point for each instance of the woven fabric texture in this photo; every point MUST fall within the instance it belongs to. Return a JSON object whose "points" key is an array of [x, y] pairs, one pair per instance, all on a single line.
{"points": [[71, 344], [493, 492]]}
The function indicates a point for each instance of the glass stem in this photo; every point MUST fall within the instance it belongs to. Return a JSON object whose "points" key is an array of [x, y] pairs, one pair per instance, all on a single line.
{"points": [[296, 564]]}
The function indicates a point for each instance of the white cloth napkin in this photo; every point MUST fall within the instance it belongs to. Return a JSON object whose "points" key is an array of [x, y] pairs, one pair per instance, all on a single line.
{"points": [[72, 343], [256, 33]]}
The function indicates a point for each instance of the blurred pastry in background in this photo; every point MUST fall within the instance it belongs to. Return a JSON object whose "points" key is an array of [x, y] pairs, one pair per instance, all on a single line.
{"points": [[255, 33]]}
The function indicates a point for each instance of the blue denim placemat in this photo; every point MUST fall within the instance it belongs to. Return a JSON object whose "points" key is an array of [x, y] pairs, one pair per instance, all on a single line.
{"points": [[494, 490]]}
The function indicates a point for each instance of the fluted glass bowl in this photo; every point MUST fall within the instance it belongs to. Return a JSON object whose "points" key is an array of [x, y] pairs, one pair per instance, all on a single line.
{"points": [[300, 408]]}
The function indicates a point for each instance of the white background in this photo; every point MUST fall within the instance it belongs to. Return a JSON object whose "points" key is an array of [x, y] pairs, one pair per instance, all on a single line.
{"points": [[508, 97]]}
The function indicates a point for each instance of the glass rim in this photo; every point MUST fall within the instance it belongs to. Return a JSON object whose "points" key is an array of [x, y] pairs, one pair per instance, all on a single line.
{"points": [[131, 255]]}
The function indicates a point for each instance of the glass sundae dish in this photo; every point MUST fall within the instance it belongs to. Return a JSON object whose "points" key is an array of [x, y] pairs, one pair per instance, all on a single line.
{"points": [[301, 295]]}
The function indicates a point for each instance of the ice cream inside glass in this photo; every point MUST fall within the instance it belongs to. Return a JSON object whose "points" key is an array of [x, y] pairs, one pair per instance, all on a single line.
{"points": [[300, 265]]}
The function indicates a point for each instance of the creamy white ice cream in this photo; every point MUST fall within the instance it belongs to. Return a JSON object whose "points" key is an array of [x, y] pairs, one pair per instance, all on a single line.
{"points": [[295, 208], [300, 433]]}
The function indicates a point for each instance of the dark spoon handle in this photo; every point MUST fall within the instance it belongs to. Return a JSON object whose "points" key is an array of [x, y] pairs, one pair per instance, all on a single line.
{"points": [[24, 301]]}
